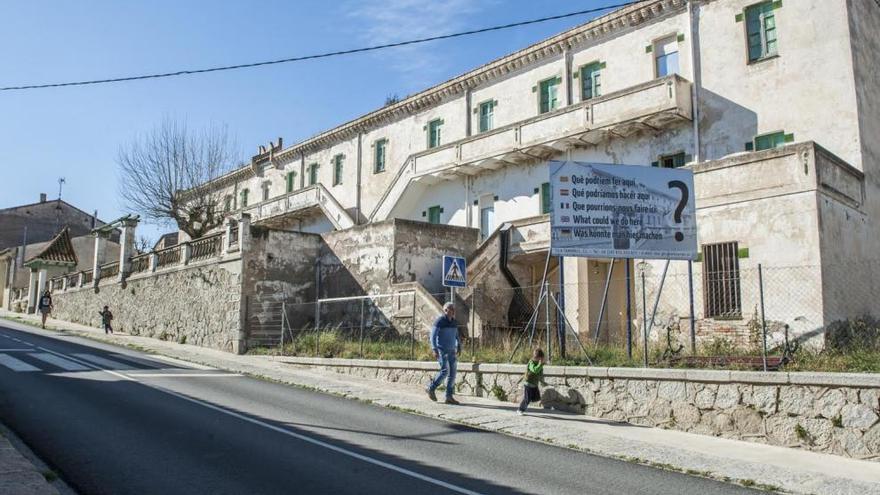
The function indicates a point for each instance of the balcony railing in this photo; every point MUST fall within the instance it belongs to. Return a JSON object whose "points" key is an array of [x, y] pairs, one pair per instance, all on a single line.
{"points": [[72, 280], [109, 270], [168, 256], [206, 247], [644, 107], [315, 196], [139, 263], [88, 277]]}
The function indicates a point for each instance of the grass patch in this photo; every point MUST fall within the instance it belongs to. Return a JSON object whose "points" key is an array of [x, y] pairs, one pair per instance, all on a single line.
{"points": [[499, 393], [50, 476]]}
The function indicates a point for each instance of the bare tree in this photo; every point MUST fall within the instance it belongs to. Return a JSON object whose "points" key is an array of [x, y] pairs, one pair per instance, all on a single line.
{"points": [[163, 174], [143, 244]]}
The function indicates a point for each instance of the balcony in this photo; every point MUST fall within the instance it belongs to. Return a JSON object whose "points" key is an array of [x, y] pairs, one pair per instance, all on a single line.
{"points": [[645, 107], [301, 203]]}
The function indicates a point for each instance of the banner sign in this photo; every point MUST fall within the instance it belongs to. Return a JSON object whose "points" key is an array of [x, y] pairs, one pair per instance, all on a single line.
{"points": [[622, 211]]}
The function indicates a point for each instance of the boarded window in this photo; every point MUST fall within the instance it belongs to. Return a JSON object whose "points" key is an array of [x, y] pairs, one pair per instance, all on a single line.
{"points": [[545, 198], [379, 157], [337, 170], [721, 283], [434, 214], [313, 174]]}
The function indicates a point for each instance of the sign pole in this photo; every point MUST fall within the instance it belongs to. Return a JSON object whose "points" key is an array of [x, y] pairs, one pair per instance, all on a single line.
{"points": [[691, 295], [629, 324]]}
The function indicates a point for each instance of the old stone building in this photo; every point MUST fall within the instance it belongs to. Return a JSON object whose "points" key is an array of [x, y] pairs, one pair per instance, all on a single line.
{"points": [[773, 105]]}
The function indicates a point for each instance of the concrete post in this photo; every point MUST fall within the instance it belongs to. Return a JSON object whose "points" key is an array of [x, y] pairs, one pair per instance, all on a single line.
{"points": [[81, 280], [244, 232], [98, 260], [64, 282], [32, 291], [185, 253], [126, 247], [227, 238], [154, 261]]}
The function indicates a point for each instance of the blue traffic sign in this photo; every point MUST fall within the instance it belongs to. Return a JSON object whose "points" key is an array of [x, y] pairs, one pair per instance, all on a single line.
{"points": [[454, 271]]}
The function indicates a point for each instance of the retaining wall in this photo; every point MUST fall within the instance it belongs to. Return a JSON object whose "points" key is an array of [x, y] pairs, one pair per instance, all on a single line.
{"points": [[836, 413]]}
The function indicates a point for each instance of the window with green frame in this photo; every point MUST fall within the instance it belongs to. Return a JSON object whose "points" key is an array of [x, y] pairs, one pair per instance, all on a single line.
{"points": [[313, 174], [337, 169], [761, 30], [548, 95], [291, 181], [772, 140], [244, 198], [591, 81], [379, 156], [434, 127], [671, 161], [266, 188], [487, 115], [545, 198], [434, 214]]}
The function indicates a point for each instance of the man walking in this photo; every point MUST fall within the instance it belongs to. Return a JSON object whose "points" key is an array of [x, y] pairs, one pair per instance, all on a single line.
{"points": [[444, 342]]}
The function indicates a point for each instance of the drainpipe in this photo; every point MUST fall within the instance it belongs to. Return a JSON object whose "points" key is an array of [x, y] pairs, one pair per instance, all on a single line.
{"points": [[566, 56], [302, 169], [467, 111], [467, 201], [694, 23], [357, 214]]}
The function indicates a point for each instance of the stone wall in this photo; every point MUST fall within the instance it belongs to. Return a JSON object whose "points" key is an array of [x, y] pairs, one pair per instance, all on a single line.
{"points": [[197, 304], [835, 413]]}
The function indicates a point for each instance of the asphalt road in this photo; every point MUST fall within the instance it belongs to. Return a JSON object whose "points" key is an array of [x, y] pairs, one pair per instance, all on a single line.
{"points": [[115, 421]]}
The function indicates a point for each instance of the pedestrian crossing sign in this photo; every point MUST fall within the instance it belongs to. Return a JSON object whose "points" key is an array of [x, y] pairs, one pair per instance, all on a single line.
{"points": [[454, 271]]}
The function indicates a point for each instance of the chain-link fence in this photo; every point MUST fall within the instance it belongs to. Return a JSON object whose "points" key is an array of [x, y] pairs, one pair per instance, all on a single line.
{"points": [[694, 313]]}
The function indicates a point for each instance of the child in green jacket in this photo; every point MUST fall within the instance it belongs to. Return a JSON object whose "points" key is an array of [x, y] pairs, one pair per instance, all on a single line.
{"points": [[534, 375]]}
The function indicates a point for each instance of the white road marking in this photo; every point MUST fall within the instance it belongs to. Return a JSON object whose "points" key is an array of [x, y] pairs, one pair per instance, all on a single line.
{"points": [[16, 365], [304, 438], [180, 362], [103, 361], [184, 375], [61, 362]]}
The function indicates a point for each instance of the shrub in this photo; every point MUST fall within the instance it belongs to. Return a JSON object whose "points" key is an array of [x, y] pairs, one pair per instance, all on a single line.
{"points": [[859, 334]]}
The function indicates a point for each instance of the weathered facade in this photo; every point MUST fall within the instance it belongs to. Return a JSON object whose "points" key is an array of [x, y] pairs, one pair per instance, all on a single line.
{"points": [[786, 165]]}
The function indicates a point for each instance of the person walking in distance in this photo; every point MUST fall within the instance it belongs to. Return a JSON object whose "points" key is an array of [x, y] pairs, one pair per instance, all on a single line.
{"points": [[45, 306], [106, 319], [445, 344]]}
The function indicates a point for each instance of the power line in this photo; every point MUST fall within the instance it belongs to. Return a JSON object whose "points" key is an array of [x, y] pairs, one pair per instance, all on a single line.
{"points": [[316, 56]]}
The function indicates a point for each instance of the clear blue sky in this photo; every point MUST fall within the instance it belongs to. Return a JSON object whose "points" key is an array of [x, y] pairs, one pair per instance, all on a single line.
{"points": [[76, 132]]}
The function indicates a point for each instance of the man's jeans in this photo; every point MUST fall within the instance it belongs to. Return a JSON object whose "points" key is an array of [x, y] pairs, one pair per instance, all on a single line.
{"points": [[447, 361]]}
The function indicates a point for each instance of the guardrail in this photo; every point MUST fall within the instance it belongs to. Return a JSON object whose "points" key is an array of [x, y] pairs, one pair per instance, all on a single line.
{"points": [[108, 270]]}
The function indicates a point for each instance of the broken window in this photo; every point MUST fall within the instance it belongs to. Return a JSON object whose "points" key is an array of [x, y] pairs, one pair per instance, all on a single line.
{"points": [[721, 282], [666, 56]]}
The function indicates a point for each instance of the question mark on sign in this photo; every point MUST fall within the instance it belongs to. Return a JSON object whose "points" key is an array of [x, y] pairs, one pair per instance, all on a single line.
{"points": [[677, 184]]}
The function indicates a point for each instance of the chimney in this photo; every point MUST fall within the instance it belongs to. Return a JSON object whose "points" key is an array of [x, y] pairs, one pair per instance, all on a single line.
{"points": [[279, 142], [42, 197]]}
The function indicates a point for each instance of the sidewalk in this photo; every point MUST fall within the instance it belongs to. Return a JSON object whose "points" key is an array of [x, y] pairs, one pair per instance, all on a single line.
{"points": [[750, 464], [18, 475]]}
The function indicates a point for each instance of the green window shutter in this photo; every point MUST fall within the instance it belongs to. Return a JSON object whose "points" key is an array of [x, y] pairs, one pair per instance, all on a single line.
{"points": [[655, 164], [545, 198], [291, 181], [788, 138], [434, 214], [313, 174], [750, 146], [777, 4], [337, 169], [742, 253], [769, 141], [680, 37], [379, 159], [601, 65], [649, 48], [244, 198], [575, 75], [739, 17]]}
